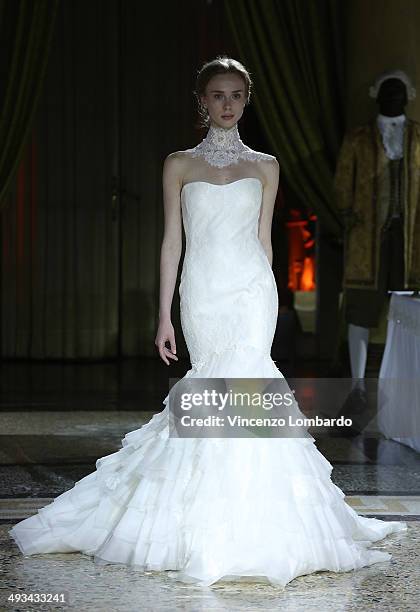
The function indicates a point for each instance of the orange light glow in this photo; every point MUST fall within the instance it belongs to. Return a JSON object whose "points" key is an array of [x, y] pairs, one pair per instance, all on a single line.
{"points": [[307, 281], [301, 253]]}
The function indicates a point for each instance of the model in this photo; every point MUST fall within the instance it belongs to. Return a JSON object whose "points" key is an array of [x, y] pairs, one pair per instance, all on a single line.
{"points": [[207, 509]]}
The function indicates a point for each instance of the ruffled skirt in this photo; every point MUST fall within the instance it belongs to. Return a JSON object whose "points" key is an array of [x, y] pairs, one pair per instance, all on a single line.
{"points": [[208, 508]]}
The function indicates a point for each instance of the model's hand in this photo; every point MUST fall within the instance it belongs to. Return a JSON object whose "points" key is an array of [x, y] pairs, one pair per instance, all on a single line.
{"points": [[165, 333]]}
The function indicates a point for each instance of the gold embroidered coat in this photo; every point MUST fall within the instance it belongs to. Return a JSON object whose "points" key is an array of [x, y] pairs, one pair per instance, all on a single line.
{"points": [[361, 186]]}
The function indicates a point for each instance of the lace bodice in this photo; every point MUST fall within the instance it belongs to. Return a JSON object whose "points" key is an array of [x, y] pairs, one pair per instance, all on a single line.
{"points": [[228, 291]]}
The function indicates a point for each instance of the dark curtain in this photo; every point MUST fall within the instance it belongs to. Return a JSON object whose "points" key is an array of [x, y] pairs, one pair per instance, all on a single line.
{"points": [[59, 230], [293, 49], [25, 33], [82, 229]]}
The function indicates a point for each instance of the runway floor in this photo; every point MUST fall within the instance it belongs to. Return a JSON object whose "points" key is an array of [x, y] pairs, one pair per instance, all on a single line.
{"points": [[54, 424]]}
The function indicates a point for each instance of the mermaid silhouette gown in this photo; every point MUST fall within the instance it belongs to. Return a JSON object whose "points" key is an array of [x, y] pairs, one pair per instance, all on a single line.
{"points": [[207, 509]]}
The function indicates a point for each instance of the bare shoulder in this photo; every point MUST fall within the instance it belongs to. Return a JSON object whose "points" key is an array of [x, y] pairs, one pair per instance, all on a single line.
{"points": [[176, 159], [270, 163], [270, 169], [174, 166]]}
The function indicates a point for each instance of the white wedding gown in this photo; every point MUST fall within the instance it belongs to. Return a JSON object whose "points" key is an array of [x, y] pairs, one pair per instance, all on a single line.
{"points": [[214, 508]]}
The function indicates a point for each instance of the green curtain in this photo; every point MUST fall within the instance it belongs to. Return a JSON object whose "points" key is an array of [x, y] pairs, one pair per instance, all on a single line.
{"points": [[293, 50], [25, 33], [82, 230]]}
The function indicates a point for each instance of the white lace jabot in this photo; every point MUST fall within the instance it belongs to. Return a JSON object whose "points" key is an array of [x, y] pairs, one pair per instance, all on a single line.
{"points": [[222, 147], [392, 130]]}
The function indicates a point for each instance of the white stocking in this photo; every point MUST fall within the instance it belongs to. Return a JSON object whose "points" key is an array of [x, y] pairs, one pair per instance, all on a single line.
{"points": [[358, 338]]}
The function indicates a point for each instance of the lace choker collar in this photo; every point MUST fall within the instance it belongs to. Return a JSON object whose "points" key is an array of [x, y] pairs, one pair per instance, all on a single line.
{"points": [[222, 147]]}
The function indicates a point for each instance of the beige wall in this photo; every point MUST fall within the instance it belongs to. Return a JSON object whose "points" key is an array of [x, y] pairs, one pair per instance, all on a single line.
{"points": [[380, 35]]}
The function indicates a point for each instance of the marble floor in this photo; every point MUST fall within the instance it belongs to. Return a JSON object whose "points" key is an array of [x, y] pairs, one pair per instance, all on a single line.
{"points": [[47, 443]]}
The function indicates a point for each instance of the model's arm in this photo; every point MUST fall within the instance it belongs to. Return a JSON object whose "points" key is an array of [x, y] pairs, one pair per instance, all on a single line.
{"points": [[271, 172], [170, 254]]}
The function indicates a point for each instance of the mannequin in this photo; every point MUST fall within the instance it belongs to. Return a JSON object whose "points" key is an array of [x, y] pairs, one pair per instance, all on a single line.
{"points": [[379, 202], [392, 99]]}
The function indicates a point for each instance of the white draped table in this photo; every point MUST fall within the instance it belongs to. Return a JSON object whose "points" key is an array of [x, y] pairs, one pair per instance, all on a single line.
{"points": [[399, 376]]}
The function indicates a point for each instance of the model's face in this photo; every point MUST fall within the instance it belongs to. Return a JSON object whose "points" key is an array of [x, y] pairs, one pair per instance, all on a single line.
{"points": [[225, 99]]}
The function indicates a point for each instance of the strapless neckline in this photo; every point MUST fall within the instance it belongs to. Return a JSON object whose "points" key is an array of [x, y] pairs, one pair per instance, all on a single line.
{"points": [[247, 178]]}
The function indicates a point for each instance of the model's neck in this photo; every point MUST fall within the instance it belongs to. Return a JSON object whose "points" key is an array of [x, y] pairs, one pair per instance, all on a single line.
{"points": [[222, 138]]}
